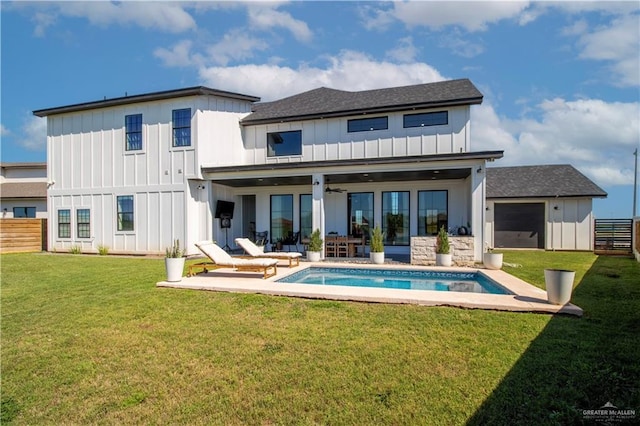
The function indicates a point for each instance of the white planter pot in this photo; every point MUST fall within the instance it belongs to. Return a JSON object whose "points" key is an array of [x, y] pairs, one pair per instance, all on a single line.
{"points": [[313, 256], [559, 283], [443, 259], [174, 267], [492, 260], [377, 258]]}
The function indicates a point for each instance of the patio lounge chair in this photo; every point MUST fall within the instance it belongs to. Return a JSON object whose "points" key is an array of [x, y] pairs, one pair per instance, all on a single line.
{"points": [[256, 252], [221, 258]]}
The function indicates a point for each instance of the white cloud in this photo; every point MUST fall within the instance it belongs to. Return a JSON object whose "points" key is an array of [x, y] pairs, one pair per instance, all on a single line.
{"points": [[617, 43], [595, 136], [264, 17], [179, 55], [4, 131], [163, 16], [235, 45], [345, 71], [34, 133], [459, 46], [471, 15], [404, 52]]}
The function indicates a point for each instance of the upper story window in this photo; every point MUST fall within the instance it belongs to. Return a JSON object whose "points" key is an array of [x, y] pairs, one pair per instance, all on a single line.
{"points": [[368, 124], [133, 132], [284, 143], [125, 212], [182, 127], [426, 119], [24, 212]]}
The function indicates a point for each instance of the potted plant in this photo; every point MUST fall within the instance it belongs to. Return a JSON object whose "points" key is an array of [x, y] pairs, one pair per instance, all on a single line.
{"points": [[559, 284], [443, 250], [174, 262], [315, 247], [490, 259], [376, 246]]}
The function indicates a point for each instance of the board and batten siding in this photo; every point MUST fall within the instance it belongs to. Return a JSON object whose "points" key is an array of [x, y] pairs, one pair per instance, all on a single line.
{"points": [[328, 139], [90, 167], [569, 227]]}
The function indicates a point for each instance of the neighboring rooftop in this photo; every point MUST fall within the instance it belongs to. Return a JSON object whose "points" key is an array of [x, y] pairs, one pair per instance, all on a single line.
{"points": [[155, 96], [325, 102], [540, 182], [25, 165], [23, 190]]}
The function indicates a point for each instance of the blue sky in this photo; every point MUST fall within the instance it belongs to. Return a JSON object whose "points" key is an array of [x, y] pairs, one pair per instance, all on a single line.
{"points": [[561, 80]]}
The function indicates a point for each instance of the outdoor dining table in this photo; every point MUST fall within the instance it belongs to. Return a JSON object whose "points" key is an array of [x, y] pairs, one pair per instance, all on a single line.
{"points": [[352, 243]]}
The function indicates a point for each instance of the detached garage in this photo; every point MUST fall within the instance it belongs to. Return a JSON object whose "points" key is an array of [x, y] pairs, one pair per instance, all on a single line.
{"points": [[540, 207]]}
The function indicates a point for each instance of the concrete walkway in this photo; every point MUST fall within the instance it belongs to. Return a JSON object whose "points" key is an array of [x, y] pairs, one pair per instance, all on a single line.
{"points": [[526, 297]]}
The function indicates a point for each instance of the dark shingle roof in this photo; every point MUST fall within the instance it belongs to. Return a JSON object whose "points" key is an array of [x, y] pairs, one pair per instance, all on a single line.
{"points": [[540, 182], [325, 102], [23, 190]]}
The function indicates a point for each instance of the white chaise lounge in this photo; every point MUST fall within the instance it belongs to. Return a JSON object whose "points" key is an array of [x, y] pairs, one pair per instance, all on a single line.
{"points": [[222, 259], [257, 252]]}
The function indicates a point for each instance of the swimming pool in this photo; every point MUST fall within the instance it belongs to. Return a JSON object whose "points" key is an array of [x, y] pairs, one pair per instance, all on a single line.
{"points": [[467, 282]]}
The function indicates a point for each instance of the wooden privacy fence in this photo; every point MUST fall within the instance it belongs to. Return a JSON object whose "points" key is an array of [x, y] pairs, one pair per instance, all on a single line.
{"points": [[23, 235], [613, 236]]}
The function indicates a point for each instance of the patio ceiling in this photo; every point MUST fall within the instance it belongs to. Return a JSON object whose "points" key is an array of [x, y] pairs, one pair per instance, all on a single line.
{"points": [[346, 178], [389, 169]]}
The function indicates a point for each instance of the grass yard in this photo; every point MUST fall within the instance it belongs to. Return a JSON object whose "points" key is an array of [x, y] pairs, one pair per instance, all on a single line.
{"points": [[90, 339]]}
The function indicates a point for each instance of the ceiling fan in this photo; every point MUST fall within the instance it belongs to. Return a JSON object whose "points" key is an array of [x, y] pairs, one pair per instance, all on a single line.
{"points": [[330, 190]]}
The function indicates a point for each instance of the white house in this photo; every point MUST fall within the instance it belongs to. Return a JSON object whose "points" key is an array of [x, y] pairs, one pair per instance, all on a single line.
{"points": [[137, 172], [23, 190]]}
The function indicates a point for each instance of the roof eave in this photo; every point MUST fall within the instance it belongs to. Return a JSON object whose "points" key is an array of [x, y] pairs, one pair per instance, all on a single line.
{"points": [[379, 110], [148, 97]]}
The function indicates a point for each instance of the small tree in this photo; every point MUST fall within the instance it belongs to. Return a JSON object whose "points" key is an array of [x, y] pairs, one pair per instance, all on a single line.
{"points": [[442, 242], [315, 242], [376, 244]]}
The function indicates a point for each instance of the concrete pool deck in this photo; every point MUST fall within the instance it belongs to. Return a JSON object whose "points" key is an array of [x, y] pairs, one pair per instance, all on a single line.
{"points": [[526, 297]]}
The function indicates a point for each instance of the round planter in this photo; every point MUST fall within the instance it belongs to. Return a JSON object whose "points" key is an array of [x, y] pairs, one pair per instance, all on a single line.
{"points": [[559, 283], [492, 260], [313, 256], [377, 257], [443, 259], [174, 267]]}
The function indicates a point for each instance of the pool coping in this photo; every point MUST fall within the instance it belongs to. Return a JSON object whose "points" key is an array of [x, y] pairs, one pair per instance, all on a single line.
{"points": [[526, 297]]}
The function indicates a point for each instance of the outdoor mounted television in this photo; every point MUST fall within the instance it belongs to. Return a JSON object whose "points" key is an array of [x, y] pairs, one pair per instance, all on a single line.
{"points": [[224, 209]]}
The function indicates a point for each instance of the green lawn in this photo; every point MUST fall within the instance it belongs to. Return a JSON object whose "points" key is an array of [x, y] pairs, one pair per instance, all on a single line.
{"points": [[90, 339]]}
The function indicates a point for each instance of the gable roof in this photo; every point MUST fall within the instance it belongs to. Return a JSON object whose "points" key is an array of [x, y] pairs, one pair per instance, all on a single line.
{"points": [[147, 97], [324, 102], [540, 182]]}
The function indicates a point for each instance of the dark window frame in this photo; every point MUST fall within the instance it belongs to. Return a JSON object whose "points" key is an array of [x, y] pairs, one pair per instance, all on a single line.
{"points": [[133, 127], [29, 212], [370, 225], [360, 124], [275, 236], [284, 138], [406, 221], [83, 223], [180, 124], [303, 229], [422, 231], [123, 215], [425, 119], [64, 227]]}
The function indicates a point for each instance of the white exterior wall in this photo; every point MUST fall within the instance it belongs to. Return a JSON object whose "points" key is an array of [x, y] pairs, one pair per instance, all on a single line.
{"points": [[569, 227], [90, 167], [328, 139]]}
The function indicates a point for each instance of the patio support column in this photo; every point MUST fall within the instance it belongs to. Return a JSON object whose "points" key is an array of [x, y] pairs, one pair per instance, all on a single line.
{"points": [[317, 193], [478, 206]]}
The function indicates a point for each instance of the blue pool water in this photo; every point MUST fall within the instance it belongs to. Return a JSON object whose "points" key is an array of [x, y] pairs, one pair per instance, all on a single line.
{"points": [[469, 282]]}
